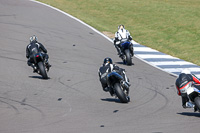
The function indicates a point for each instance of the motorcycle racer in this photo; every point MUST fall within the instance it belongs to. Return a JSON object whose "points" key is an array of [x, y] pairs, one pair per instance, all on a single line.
{"points": [[122, 35], [182, 81], [35, 45], [105, 69]]}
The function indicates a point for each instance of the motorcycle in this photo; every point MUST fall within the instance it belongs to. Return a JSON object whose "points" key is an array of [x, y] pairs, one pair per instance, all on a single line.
{"points": [[127, 51], [41, 66], [193, 94], [118, 86]]}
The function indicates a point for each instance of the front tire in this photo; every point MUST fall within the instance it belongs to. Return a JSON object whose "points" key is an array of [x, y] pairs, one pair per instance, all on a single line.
{"points": [[197, 102], [120, 94], [128, 57], [42, 70]]}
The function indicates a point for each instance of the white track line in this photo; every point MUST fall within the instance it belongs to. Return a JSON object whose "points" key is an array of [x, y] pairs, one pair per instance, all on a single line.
{"points": [[144, 49], [146, 56], [172, 63]]}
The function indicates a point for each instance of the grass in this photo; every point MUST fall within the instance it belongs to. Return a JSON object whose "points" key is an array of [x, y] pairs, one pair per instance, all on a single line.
{"points": [[170, 26]]}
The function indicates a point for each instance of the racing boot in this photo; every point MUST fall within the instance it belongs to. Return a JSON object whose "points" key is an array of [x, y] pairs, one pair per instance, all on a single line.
{"points": [[47, 65], [106, 89], [111, 92], [189, 105], [195, 109], [34, 68], [119, 51], [120, 54]]}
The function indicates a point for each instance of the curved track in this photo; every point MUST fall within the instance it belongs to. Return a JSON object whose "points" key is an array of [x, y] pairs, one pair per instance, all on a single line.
{"points": [[72, 100]]}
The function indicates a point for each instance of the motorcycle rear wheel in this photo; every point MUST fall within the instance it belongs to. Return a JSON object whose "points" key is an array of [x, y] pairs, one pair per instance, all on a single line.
{"points": [[128, 57], [42, 70], [197, 102], [120, 94]]}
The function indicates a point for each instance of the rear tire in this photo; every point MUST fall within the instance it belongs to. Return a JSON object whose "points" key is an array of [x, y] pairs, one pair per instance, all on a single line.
{"points": [[42, 70], [120, 94], [128, 57], [197, 102]]}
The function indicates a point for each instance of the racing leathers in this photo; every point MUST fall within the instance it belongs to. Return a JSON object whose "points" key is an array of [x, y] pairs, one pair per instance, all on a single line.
{"points": [[33, 48], [182, 81], [122, 35], [106, 69]]}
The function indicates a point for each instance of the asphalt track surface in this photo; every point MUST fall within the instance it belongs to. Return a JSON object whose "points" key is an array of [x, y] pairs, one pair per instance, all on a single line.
{"points": [[72, 100]]}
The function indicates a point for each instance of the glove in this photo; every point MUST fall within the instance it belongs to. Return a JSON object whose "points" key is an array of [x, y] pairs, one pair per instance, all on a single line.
{"points": [[117, 43], [132, 41], [116, 67]]}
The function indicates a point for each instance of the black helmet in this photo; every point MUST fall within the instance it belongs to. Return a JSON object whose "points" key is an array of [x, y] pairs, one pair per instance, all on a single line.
{"points": [[107, 60]]}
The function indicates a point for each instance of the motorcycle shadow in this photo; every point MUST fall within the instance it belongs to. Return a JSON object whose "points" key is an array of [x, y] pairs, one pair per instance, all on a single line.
{"points": [[111, 100], [38, 77], [122, 63], [190, 114]]}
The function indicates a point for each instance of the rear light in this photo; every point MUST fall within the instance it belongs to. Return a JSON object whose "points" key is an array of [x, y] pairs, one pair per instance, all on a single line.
{"points": [[37, 55]]}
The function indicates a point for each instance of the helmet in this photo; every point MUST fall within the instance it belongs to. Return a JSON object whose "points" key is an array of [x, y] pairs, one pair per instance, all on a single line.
{"points": [[186, 71], [33, 39], [121, 26], [107, 60]]}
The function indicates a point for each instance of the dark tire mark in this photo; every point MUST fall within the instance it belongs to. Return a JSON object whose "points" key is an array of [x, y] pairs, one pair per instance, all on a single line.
{"points": [[22, 103], [12, 106]]}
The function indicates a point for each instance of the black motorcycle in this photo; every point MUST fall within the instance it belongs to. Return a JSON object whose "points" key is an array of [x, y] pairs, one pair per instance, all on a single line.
{"points": [[127, 51], [41, 66], [118, 86]]}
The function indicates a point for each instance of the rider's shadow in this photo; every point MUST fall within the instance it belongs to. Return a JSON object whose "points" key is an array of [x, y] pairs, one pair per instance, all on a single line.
{"points": [[190, 114], [111, 100]]}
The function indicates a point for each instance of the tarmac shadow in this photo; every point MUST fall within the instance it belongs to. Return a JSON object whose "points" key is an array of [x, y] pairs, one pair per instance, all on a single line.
{"points": [[37, 77], [190, 114], [111, 100], [121, 63]]}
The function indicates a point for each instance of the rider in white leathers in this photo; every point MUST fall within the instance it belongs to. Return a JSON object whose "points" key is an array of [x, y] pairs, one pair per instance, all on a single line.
{"points": [[120, 36]]}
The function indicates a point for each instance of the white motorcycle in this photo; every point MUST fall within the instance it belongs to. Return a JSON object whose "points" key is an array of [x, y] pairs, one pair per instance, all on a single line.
{"points": [[193, 94]]}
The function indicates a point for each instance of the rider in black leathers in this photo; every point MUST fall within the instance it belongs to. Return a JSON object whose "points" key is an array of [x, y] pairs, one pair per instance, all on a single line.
{"points": [[106, 68], [34, 44]]}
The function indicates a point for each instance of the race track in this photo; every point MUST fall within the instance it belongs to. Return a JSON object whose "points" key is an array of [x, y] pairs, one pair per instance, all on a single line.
{"points": [[72, 100]]}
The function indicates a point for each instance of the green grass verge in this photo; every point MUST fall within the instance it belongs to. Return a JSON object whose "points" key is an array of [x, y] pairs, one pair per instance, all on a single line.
{"points": [[170, 26]]}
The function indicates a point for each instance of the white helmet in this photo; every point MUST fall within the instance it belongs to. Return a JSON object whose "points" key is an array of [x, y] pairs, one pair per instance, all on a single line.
{"points": [[33, 39], [186, 71]]}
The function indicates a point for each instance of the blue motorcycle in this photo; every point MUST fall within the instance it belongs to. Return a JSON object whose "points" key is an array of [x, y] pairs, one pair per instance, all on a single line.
{"points": [[118, 86], [127, 51]]}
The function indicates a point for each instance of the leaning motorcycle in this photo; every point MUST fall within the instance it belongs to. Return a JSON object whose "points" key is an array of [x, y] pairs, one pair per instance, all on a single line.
{"points": [[39, 63], [193, 94], [118, 86], [127, 51]]}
